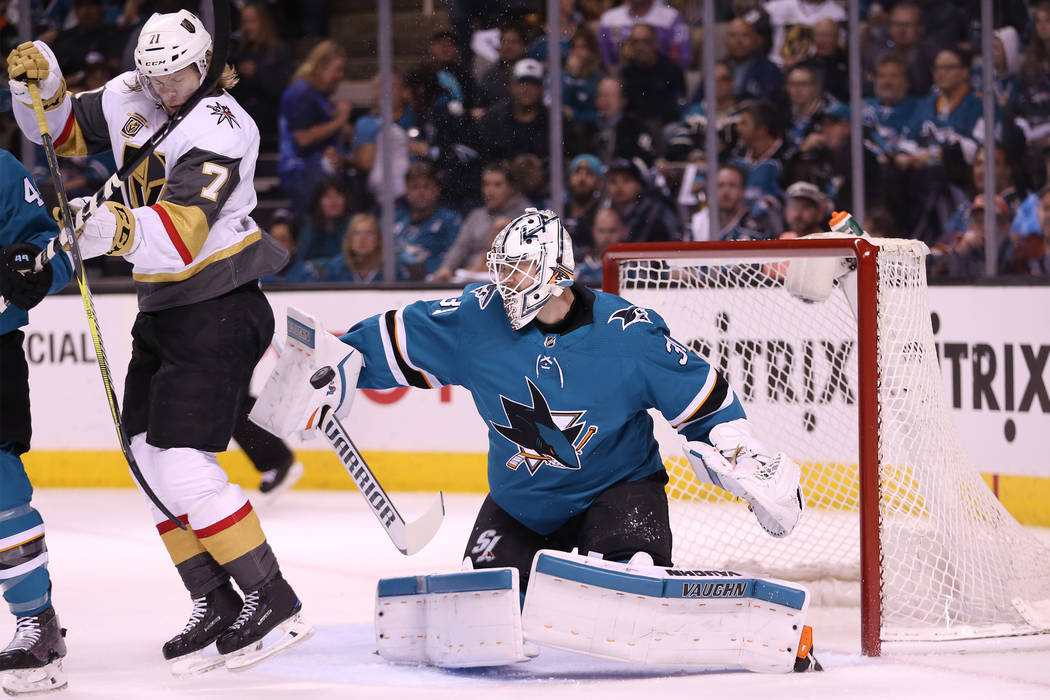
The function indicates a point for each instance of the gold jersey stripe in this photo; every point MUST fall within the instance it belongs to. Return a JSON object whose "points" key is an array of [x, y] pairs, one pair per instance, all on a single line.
{"points": [[194, 269], [190, 223]]}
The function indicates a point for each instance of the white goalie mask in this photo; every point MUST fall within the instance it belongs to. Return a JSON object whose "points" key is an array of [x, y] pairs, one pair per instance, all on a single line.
{"points": [[170, 42], [530, 262]]}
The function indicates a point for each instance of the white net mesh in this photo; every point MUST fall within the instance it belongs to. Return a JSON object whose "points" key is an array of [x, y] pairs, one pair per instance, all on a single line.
{"points": [[955, 564]]}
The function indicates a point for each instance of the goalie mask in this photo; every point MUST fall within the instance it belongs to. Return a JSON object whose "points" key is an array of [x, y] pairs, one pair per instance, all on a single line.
{"points": [[170, 42], [530, 261]]}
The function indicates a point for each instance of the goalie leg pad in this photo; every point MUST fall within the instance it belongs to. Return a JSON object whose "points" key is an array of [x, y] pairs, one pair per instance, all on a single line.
{"points": [[459, 620], [298, 387], [660, 616]]}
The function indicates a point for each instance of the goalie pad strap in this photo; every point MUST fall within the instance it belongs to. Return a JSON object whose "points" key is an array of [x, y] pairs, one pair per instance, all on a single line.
{"points": [[458, 620], [662, 616]]}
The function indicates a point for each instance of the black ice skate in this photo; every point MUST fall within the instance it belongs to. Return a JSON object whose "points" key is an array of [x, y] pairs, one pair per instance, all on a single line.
{"points": [[277, 481], [805, 660], [212, 615], [32, 662], [273, 606]]}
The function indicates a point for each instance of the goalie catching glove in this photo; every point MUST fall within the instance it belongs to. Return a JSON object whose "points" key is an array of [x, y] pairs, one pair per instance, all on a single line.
{"points": [[740, 464], [315, 370], [34, 60]]}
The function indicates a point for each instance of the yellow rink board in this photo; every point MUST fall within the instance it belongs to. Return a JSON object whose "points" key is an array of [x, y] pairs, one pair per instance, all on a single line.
{"points": [[1027, 498]]}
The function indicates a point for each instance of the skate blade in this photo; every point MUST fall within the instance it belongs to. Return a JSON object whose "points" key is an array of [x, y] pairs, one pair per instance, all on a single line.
{"points": [[35, 681], [195, 664], [294, 631]]}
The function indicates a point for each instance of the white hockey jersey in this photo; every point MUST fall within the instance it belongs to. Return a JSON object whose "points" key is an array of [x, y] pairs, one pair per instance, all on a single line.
{"points": [[192, 198]]}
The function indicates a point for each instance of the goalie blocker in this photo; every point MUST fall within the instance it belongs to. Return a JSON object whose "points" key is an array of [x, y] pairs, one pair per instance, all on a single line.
{"points": [[633, 612]]}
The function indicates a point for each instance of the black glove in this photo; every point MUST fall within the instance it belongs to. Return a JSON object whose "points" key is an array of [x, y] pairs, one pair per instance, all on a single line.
{"points": [[23, 290]]}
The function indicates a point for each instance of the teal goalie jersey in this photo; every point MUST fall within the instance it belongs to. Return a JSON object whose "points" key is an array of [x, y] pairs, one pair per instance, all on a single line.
{"points": [[566, 413]]}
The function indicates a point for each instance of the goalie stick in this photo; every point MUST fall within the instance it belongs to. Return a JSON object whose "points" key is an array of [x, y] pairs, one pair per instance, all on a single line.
{"points": [[408, 537], [216, 65]]}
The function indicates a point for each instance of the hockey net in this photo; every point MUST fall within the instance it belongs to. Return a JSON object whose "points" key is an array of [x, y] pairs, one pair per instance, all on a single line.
{"points": [[896, 513]]}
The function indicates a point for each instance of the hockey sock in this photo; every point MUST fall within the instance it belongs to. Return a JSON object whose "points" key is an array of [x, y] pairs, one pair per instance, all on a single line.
{"points": [[23, 560]]}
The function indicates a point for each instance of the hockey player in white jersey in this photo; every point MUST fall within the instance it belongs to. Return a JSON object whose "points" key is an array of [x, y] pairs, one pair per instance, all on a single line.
{"points": [[185, 224]]}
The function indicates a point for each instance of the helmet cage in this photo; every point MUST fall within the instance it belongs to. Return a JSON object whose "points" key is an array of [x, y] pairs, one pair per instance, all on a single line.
{"points": [[530, 261]]}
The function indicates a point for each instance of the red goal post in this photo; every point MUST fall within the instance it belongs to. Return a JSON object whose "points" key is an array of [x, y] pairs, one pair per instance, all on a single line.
{"points": [[850, 387]]}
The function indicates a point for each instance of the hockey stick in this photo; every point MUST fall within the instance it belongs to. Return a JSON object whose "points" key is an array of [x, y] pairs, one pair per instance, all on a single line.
{"points": [[219, 53], [89, 304], [409, 538]]}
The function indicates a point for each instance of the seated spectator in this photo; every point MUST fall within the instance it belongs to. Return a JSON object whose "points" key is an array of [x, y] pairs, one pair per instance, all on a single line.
{"points": [[322, 232], [1033, 89], [761, 151], [494, 86], [423, 231], [282, 227], [90, 35], [312, 130], [528, 171], [579, 91], [1006, 60], [445, 130], [520, 125], [1027, 219], [829, 59], [806, 210], [645, 211], [454, 76], [892, 108], [754, 75], [1015, 255], [608, 229], [960, 221], [619, 134], [686, 140], [361, 256], [825, 159], [654, 85], [671, 31], [262, 61], [570, 21], [368, 135], [586, 180], [805, 100], [502, 198], [736, 221], [792, 22], [905, 39]]}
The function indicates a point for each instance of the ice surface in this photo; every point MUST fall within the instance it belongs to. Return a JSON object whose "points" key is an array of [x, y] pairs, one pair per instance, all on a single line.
{"points": [[118, 594]]}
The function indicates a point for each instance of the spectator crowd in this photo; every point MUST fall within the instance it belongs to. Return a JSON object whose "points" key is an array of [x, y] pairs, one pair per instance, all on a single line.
{"points": [[470, 134]]}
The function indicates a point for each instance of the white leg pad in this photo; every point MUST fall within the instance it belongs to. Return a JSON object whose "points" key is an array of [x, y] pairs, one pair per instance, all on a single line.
{"points": [[458, 620], [645, 614]]}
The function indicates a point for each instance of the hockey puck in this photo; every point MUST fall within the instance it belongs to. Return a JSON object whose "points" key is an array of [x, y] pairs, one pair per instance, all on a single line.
{"points": [[322, 377]]}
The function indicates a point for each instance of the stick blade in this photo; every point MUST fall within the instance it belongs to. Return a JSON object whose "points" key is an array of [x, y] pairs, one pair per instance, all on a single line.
{"points": [[420, 531]]}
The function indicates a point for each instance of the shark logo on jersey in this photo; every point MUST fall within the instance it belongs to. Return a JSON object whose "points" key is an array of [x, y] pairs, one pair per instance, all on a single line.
{"points": [[484, 295], [629, 315], [554, 438], [224, 114]]}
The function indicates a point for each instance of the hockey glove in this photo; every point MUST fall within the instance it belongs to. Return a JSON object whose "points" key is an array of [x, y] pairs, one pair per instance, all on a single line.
{"points": [[18, 283], [740, 464], [316, 370], [34, 60], [110, 231]]}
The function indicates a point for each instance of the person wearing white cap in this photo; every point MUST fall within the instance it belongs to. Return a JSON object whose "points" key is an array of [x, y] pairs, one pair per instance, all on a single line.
{"points": [[520, 125]]}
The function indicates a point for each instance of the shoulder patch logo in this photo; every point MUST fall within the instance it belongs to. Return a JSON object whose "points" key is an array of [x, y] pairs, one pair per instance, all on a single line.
{"points": [[543, 436], [484, 295], [133, 125], [629, 315], [224, 114]]}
